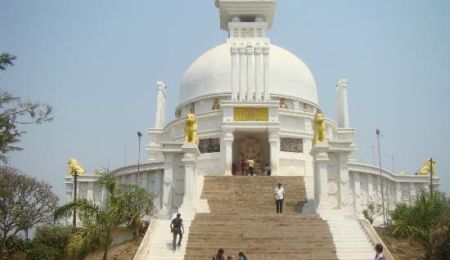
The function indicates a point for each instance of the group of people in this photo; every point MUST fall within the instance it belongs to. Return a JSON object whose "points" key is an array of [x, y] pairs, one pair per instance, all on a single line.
{"points": [[220, 255], [247, 167]]}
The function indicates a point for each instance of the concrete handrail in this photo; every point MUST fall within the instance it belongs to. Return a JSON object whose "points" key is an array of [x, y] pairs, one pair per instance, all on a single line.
{"points": [[145, 243], [375, 238]]}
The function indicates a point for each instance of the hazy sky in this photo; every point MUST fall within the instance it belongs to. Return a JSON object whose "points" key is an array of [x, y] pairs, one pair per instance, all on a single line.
{"points": [[97, 63]]}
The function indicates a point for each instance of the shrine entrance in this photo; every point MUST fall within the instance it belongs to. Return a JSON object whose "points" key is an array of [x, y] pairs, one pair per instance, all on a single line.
{"points": [[250, 145]]}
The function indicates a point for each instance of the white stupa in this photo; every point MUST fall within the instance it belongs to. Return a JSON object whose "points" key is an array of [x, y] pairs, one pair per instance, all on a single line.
{"points": [[255, 100]]}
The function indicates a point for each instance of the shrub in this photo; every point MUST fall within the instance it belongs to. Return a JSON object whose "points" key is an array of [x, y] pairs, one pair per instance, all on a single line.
{"points": [[49, 242], [427, 222], [15, 244]]}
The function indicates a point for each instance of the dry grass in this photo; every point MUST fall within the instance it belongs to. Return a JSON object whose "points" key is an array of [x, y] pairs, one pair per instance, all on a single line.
{"points": [[402, 249], [124, 251]]}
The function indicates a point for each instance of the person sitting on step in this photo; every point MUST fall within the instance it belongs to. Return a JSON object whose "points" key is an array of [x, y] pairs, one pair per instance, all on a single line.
{"points": [[242, 256], [219, 255]]}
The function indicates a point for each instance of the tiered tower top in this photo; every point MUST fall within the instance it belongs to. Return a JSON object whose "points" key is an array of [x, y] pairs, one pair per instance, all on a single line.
{"points": [[245, 11]]}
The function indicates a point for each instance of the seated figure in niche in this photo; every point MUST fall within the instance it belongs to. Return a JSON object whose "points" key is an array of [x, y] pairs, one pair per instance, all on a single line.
{"points": [[250, 151]]}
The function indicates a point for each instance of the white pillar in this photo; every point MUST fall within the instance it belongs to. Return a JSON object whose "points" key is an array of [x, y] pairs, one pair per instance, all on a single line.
{"points": [[259, 73], [242, 73], [342, 104], [90, 191], [266, 51], [370, 189], [228, 139], [398, 192], [160, 105], [356, 193], [274, 141], [189, 159], [167, 183], [343, 181], [413, 192], [320, 153], [143, 183], [250, 72], [234, 72], [157, 184], [134, 179]]}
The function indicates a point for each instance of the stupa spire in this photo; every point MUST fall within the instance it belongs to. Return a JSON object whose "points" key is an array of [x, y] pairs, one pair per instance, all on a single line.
{"points": [[246, 18]]}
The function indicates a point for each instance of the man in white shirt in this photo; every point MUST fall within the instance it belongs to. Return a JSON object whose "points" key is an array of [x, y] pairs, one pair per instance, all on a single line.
{"points": [[279, 197]]}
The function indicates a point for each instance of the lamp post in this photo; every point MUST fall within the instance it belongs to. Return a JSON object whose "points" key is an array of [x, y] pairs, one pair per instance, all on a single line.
{"points": [[74, 169], [75, 175], [139, 134], [381, 177], [431, 178]]}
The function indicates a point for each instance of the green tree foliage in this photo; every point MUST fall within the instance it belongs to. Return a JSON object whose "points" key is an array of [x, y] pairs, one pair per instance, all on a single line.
{"points": [[440, 238], [427, 222], [125, 206], [24, 202], [15, 112], [15, 244], [6, 59], [49, 243]]}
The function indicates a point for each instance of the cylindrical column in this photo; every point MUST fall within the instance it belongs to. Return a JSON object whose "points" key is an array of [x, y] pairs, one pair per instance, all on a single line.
{"points": [[242, 73], [234, 72], [259, 73], [228, 139], [274, 140], [266, 51], [250, 72]]}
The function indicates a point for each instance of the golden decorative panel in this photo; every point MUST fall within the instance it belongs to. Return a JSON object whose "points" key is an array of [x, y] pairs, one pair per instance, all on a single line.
{"points": [[251, 114]]}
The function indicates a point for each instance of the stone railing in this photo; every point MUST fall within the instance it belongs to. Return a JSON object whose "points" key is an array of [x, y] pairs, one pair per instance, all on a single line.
{"points": [[145, 243], [375, 238]]}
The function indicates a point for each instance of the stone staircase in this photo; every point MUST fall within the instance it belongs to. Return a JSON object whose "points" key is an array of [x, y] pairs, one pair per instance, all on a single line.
{"points": [[157, 243], [349, 238], [243, 218]]}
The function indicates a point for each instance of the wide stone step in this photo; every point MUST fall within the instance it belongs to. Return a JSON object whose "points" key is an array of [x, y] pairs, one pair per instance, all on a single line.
{"points": [[243, 218]]}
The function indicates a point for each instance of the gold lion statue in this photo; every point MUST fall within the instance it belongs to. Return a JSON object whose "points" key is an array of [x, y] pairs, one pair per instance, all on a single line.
{"points": [[190, 130], [425, 169], [74, 167], [319, 127]]}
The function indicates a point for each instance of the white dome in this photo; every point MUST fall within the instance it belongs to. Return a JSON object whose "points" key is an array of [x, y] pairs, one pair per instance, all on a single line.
{"points": [[210, 74]]}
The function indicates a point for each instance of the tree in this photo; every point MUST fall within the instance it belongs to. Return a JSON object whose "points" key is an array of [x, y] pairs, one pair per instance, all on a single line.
{"points": [[427, 222], [125, 206], [14, 112], [49, 242], [24, 202]]}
